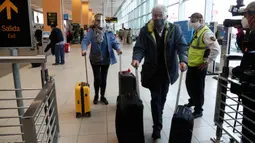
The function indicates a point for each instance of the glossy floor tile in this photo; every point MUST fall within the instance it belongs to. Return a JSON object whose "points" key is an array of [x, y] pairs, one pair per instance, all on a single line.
{"points": [[100, 128]]}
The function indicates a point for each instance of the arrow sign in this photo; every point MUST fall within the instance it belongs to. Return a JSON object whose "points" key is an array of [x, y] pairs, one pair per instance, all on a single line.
{"points": [[8, 5]]}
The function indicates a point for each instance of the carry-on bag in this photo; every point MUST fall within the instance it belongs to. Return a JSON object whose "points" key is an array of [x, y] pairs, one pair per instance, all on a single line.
{"points": [[182, 122], [127, 81], [82, 97], [129, 113], [67, 48]]}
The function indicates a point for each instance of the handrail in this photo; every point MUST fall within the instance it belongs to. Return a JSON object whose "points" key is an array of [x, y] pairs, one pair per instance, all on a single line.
{"points": [[42, 116], [38, 101], [23, 59]]}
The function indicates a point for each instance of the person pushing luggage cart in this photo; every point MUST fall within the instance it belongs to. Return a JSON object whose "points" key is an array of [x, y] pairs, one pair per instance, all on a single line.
{"points": [[101, 56]]}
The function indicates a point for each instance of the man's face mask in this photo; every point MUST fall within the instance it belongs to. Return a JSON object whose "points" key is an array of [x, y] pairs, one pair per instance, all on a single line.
{"points": [[159, 19], [245, 23], [159, 23]]}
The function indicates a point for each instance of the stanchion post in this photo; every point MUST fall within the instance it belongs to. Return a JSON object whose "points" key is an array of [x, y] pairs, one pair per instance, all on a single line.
{"points": [[17, 85]]}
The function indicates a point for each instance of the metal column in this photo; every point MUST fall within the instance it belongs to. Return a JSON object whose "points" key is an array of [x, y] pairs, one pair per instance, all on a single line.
{"points": [[17, 85]]}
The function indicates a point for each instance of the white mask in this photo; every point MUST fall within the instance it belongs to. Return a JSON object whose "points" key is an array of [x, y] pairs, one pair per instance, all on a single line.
{"points": [[195, 25], [245, 23]]}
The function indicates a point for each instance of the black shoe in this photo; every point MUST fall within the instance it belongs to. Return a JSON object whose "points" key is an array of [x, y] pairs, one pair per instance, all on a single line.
{"points": [[104, 100], [95, 101], [62, 63], [197, 114], [156, 135]]}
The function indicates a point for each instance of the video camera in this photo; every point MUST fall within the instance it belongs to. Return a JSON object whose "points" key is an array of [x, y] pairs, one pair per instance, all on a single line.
{"points": [[236, 10]]}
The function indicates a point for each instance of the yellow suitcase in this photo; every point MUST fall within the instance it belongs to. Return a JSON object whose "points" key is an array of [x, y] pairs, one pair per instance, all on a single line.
{"points": [[82, 97]]}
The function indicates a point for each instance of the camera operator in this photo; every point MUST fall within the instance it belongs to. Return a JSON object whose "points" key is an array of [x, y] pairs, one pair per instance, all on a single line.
{"points": [[248, 48], [247, 64]]}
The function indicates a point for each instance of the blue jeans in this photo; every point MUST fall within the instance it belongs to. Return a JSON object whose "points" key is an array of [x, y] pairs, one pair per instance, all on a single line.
{"points": [[59, 54]]}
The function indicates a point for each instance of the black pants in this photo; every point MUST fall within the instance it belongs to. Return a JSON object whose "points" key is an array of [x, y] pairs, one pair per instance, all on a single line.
{"points": [[100, 78], [195, 84], [250, 115], [158, 98]]}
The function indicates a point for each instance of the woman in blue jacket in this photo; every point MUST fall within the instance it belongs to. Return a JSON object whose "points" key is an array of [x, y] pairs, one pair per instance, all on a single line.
{"points": [[101, 54]]}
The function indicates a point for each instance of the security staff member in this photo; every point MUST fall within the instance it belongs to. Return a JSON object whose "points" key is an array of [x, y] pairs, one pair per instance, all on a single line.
{"points": [[203, 50], [248, 63]]}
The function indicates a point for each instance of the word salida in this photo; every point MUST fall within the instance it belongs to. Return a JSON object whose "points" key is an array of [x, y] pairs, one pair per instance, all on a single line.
{"points": [[10, 30]]}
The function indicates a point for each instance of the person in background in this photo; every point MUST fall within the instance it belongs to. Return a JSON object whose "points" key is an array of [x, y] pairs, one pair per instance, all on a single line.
{"points": [[81, 34], [69, 36], [124, 36], [160, 43], [204, 49], [101, 54], [248, 64], [57, 44], [121, 34], [129, 36]]}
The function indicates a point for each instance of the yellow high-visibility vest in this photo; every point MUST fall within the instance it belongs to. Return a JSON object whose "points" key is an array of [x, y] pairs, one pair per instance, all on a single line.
{"points": [[197, 48]]}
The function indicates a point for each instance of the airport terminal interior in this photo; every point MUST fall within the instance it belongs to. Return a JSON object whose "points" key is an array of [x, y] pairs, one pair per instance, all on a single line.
{"points": [[49, 114]]}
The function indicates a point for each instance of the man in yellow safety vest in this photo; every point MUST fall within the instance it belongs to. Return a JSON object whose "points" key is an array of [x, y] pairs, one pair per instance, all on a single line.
{"points": [[204, 48]]}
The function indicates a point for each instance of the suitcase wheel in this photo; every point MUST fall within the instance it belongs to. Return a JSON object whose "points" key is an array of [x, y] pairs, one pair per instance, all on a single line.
{"points": [[78, 115], [88, 114]]}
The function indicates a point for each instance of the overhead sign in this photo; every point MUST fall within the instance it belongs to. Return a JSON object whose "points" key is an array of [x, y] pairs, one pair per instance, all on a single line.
{"points": [[111, 19], [65, 16], [52, 18], [15, 25]]}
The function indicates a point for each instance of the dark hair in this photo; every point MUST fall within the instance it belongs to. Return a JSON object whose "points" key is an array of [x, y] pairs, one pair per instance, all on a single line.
{"points": [[53, 26], [98, 14]]}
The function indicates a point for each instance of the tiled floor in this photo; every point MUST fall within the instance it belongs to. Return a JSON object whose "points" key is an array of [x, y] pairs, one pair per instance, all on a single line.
{"points": [[100, 128]]}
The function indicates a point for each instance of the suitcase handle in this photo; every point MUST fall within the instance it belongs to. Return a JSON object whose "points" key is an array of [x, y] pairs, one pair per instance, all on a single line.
{"points": [[178, 92], [120, 61], [137, 81], [86, 69]]}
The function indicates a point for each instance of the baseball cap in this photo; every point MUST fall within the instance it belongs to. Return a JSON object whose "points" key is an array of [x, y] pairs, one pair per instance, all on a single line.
{"points": [[250, 7], [196, 15]]}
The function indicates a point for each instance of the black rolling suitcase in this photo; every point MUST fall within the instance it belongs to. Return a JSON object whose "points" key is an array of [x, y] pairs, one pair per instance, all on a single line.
{"points": [[129, 113], [182, 122]]}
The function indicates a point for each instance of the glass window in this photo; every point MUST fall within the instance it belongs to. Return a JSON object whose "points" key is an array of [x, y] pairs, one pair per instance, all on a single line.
{"points": [[173, 13], [138, 2], [151, 4], [144, 9], [160, 1], [139, 9], [38, 17], [170, 2], [149, 17], [148, 6], [193, 6]]}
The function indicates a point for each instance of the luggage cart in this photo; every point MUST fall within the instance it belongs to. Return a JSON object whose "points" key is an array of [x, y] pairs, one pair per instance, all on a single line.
{"points": [[233, 113]]}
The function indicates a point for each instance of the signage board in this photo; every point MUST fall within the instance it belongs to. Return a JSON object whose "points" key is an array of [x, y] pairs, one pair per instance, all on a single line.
{"points": [[111, 19], [15, 24], [52, 18], [66, 17]]}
